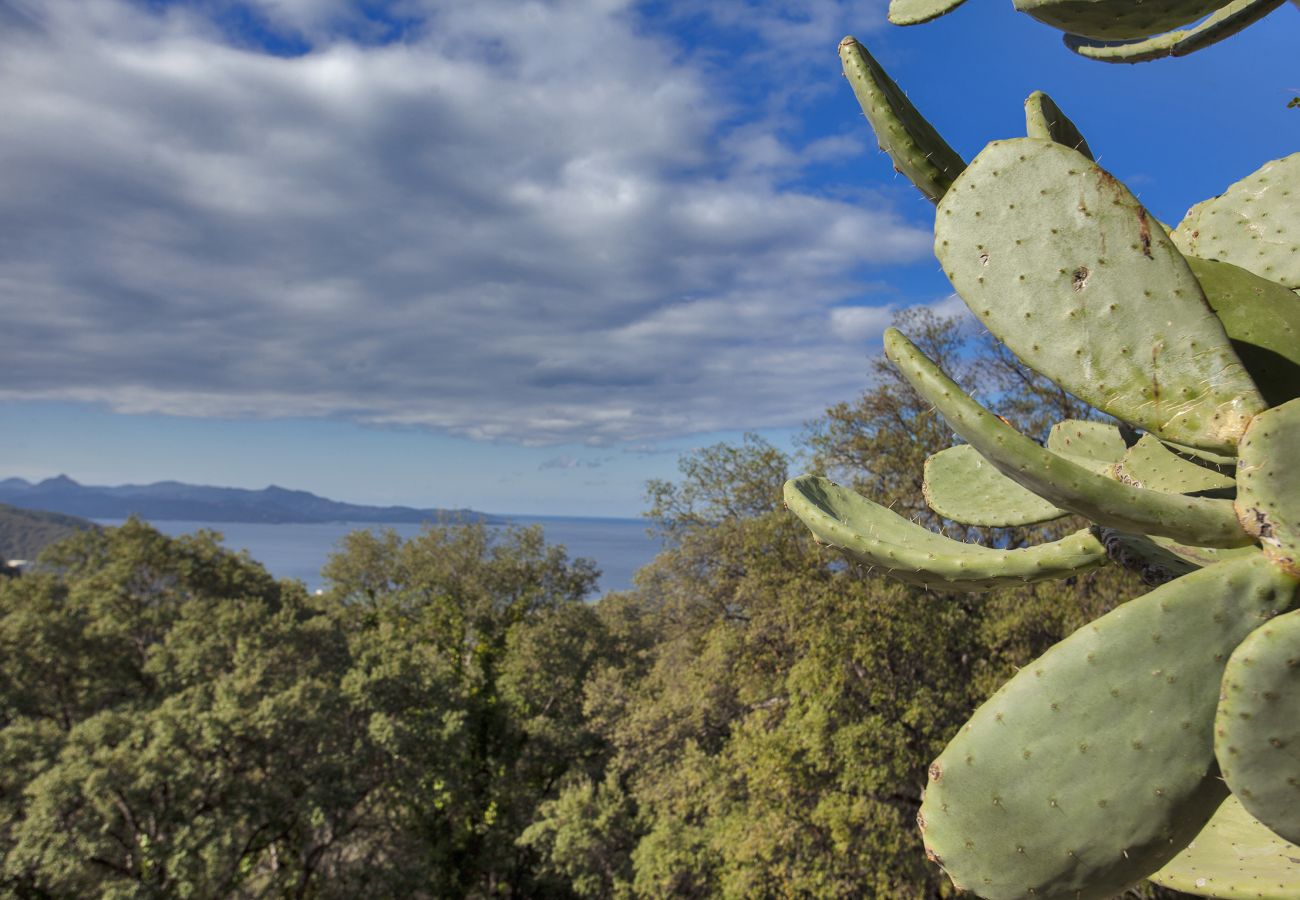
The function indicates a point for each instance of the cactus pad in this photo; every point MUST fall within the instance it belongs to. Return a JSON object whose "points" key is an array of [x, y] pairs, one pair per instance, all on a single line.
{"points": [[1220, 462], [963, 486], [1100, 444], [914, 12], [1202, 556], [1268, 483], [1149, 464], [1257, 729], [1254, 224], [878, 537], [1195, 520], [1044, 120], [1235, 858], [1100, 764], [1094, 765], [1224, 23], [916, 148], [1067, 269], [1116, 19], [1262, 319]]}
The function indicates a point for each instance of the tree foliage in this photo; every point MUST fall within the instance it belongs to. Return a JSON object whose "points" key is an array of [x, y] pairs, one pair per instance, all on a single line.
{"points": [[771, 737], [453, 718], [24, 533], [175, 723]]}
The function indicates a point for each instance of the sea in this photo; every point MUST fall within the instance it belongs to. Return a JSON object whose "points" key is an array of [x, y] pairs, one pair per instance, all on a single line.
{"points": [[618, 546]]}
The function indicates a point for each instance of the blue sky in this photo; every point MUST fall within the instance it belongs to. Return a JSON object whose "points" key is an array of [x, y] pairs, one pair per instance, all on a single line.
{"points": [[511, 255]]}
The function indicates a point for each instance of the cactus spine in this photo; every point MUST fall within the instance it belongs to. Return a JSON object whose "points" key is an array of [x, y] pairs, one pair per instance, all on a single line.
{"points": [[1159, 741]]}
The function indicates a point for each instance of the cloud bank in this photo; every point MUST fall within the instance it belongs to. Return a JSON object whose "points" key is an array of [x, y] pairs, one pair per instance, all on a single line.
{"points": [[537, 222]]}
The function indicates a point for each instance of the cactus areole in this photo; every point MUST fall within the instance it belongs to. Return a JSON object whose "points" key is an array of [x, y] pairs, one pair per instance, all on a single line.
{"points": [[1161, 741]]}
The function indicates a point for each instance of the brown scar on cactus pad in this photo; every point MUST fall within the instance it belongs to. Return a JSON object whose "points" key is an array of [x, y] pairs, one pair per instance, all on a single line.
{"points": [[1144, 233]]}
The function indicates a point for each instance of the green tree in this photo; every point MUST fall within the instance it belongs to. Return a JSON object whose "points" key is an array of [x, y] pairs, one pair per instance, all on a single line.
{"points": [[175, 723], [498, 626], [775, 708], [168, 711]]}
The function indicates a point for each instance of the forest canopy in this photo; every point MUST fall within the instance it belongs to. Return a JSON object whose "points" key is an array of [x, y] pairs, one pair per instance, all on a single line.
{"points": [[455, 716]]}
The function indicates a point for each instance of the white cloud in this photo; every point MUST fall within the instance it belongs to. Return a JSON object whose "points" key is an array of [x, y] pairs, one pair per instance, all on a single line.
{"points": [[799, 25], [567, 461], [520, 222], [859, 323]]}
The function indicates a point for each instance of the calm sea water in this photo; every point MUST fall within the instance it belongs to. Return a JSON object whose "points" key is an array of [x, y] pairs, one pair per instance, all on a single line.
{"points": [[618, 546]]}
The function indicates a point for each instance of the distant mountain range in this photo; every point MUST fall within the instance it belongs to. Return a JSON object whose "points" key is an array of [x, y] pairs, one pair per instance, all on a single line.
{"points": [[172, 500]]}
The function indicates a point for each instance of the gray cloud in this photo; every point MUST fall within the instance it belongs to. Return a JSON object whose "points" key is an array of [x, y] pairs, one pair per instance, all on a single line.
{"points": [[565, 461], [507, 226]]}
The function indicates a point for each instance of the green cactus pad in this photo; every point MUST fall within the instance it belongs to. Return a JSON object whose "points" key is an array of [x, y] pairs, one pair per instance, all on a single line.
{"points": [[914, 12], [1235, 858], [963, 486], [878, 537], [1268, 483], [1094, 445], [1220, 462], [1257, 729], [916, 148], [1111, 20], [1044, 120], [1194, 520], [1094, 765], [1149, 464], [1262, 319], [1202, 556], [1254, 224], [1068, 270], [1224, 23]]}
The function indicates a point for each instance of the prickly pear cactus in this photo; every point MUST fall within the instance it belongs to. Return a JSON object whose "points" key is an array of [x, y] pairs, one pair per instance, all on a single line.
{"points": [[1126, 31], [1161, 740]]}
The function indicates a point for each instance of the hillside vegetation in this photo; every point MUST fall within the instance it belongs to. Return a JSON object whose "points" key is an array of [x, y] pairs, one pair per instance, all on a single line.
{"points": [[24, 533], [453, 718]]}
